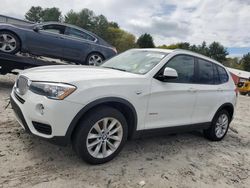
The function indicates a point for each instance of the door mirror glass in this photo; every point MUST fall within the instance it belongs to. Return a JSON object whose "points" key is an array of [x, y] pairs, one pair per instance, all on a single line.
{"points": [[170, 73]]}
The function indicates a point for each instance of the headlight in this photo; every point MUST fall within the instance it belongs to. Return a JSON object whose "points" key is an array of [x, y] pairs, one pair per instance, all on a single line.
{"points": [[56, 91]]}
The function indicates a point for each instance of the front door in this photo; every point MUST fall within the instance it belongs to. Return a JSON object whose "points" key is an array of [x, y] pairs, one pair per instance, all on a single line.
{"points": [[48, 41], [172, 101]]}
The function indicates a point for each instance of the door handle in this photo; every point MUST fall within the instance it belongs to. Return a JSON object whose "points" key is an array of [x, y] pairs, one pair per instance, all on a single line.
{"points": [[220, 89], [192, 90]]}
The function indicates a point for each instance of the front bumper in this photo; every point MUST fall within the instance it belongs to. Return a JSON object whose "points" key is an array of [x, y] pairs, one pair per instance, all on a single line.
{"points": [[57, 115]]}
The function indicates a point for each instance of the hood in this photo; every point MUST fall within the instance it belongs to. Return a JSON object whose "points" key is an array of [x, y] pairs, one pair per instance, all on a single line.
{"points": [[74, 73]]}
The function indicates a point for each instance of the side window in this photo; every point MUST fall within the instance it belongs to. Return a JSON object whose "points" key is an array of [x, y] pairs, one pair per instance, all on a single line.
{"points": [[53, 28], [205, 72], [223, 74], [79, 34], [184, 65], [216, 75]]}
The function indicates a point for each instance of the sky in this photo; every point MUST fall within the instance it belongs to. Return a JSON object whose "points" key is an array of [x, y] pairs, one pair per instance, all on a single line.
{"points": [[168, 21]]}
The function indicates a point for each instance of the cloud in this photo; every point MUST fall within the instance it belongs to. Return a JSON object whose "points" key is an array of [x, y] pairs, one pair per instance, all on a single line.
{"points": [[169, 21]]}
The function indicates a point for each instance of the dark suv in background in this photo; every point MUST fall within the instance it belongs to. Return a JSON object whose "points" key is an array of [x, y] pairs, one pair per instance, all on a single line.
{"points": [[56, 40]]}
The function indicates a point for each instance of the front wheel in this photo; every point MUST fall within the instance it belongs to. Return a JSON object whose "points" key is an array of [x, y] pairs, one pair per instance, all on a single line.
{"points": [[9, 42], [94, 59], [100, 135], [219, 127]]}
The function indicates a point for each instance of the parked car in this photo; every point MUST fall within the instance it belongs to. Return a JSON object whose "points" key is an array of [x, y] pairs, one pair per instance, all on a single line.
{"points": [[139, 92], [56, 40]]}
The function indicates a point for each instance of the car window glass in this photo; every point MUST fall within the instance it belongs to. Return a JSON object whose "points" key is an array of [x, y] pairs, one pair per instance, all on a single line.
{"points": [[184, 65], [223, 74], [216, 75], [205, 72], [79, 34], [135, 61], [53, 28]]}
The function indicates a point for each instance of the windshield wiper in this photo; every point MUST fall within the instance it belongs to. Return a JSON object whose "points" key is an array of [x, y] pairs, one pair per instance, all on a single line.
{"points": [[116, 69]]}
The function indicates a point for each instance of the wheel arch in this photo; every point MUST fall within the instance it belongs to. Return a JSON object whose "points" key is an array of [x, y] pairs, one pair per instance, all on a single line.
{"points": [[124, 106], [14, 33], [227, 106]]}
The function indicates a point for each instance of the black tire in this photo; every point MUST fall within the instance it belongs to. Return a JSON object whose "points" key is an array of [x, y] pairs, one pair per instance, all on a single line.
{"points": [[249, 94], [18, 42], [210, 132], [85, 126], [94, 54], [242, 93]]}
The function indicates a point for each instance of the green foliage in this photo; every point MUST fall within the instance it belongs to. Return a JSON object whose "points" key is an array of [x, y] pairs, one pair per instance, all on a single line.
{"points": [[145, 41], [121, 39], [34, 14], [215, 50], [233, 63], [51, 14], [37, 14], [246, 62]]}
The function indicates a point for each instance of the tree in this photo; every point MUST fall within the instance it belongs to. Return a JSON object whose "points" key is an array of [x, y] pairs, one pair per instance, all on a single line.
{"points": [[217, 51], [84, 19], [145, 41], [121, 39], [51, 14], [246, 62], [34, 14], [114, 25]]}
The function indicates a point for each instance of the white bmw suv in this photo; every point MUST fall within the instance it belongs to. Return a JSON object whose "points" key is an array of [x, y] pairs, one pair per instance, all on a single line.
{"points": [[136, 93]]}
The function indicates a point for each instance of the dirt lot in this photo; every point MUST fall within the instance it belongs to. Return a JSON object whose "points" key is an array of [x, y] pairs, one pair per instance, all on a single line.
{"points": [[185, 160]]}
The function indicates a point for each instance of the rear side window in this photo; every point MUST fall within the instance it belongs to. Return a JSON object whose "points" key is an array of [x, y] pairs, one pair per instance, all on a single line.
{"points": [[205, 72], [223, 74], [184, 65], [79, 34]]}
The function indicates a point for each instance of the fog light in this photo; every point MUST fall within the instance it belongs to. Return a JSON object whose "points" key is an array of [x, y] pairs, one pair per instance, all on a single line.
{"points": [[40, 109]]}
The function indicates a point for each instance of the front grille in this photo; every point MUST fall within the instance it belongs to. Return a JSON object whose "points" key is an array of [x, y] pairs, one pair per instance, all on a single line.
{"points": [[42, 128], [22, 85]]}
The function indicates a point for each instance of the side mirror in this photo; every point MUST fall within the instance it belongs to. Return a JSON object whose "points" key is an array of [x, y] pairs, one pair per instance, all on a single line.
{"points": [[170, 73], [37, 28]]}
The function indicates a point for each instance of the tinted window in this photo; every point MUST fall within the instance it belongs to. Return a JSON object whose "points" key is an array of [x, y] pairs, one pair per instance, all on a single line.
{"points": [[205, 74], [53, 28], [223, 74], [216, 75], [79, 34], [184, 65]]}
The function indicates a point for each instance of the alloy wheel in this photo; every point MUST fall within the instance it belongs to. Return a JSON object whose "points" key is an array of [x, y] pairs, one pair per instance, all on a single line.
{"points": [[221, 125], [95, 60], [104, 137], [7, 43]]}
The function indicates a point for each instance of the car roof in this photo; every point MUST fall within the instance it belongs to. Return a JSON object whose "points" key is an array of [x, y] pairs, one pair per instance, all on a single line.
{"points": [[181, 51]]}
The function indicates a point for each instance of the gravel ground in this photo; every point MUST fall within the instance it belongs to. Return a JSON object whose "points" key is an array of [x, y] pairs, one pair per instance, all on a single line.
{"points": [[183, 160]]}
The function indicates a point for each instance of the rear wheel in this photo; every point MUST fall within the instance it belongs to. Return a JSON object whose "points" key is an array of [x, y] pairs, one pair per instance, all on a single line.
{"points": [[9, 42], [100, 135], [94, 59], [219, 127]]}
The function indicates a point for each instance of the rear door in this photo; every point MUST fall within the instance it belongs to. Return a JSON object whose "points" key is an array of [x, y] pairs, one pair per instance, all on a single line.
{"points": [[78, 44], [209, 91]]}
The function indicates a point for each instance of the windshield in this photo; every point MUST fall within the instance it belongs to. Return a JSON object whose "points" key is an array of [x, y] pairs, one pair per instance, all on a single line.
{"points": [[135, 61]]}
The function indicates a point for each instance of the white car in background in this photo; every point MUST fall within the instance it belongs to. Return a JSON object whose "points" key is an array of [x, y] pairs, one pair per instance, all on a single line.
{"points": [[139, 92]]}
